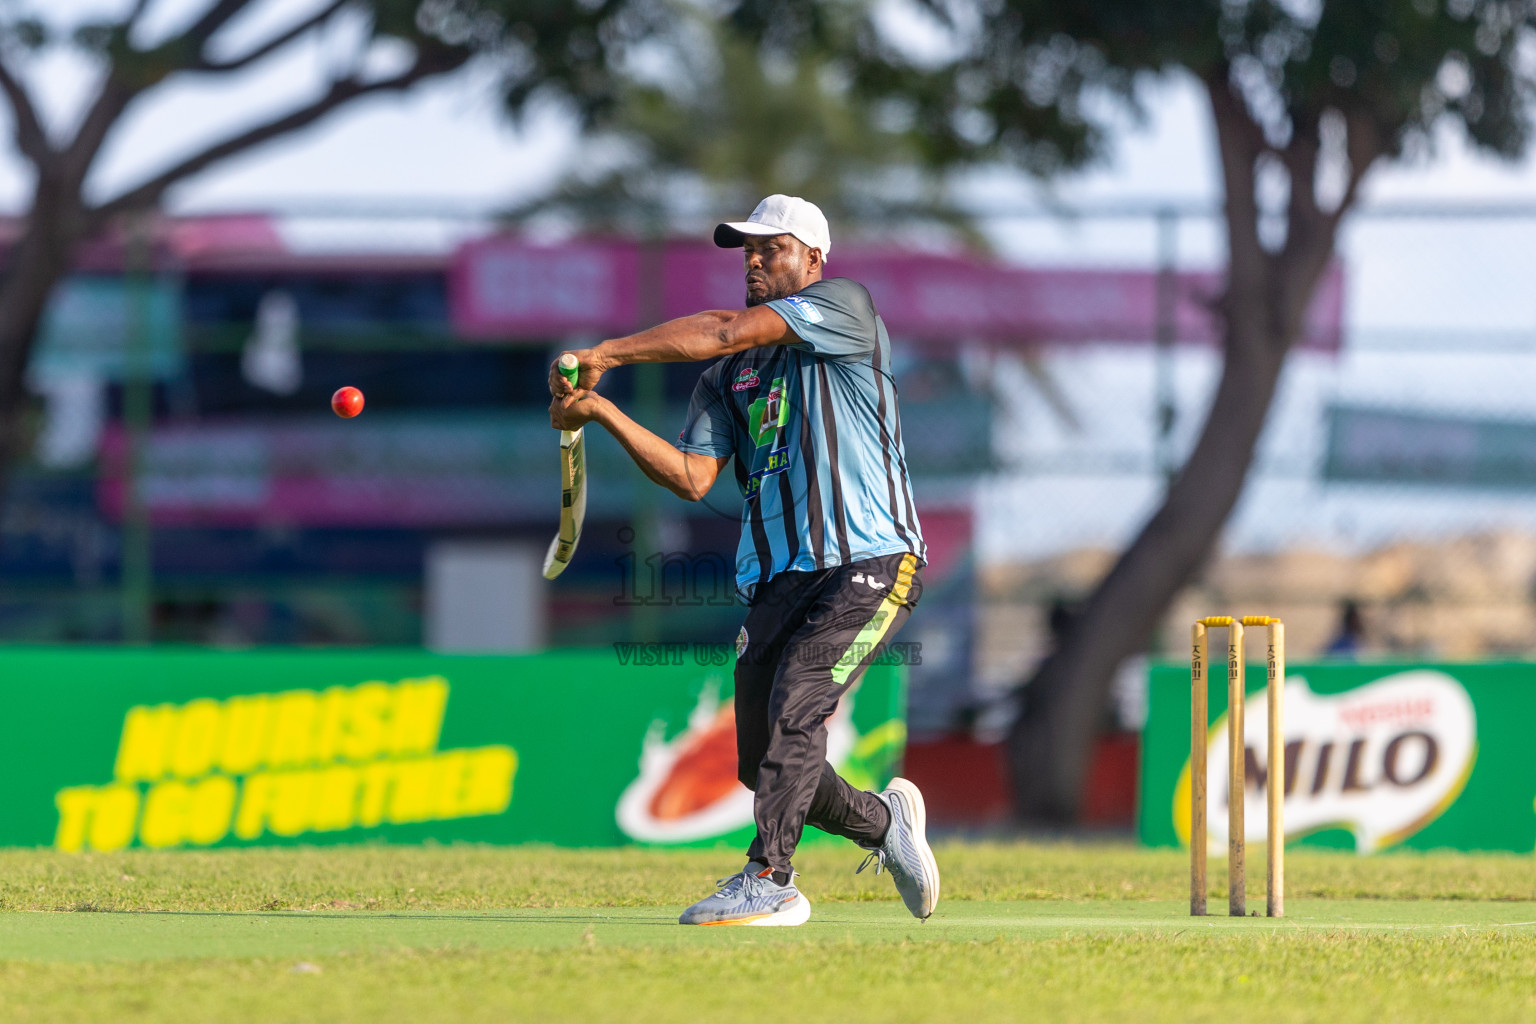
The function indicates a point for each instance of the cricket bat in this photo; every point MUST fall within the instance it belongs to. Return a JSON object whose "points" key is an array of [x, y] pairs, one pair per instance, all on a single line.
{"points": [[573, 489]]}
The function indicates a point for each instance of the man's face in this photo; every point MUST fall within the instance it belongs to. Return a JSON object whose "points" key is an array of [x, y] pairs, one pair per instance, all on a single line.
{"points": [[778, 266]]}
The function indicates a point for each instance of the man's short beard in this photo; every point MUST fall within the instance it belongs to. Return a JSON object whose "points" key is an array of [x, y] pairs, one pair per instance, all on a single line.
{"points": [[775, 291]]}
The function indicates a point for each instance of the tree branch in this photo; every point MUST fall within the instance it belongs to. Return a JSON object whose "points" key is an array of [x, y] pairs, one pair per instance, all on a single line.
{"points": [[127, 24], [110, 103], [1306, 224], [31, 139], [214, 19], [275, 43], [133, 71], [1364, 146], [1300, 159], [1240, 141], [341, 92]]}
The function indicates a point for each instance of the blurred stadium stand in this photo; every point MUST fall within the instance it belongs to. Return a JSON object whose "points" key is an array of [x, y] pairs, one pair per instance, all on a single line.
{"points": [[1042, 410]]}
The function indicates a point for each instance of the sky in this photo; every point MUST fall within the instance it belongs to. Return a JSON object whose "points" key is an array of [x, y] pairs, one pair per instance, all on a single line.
{"points": [[1447, 287], [449, 144], [448, 140]]}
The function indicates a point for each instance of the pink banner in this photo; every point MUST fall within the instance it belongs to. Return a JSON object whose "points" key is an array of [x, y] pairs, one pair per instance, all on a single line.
{"points": [[419, 471], [507, 288]]}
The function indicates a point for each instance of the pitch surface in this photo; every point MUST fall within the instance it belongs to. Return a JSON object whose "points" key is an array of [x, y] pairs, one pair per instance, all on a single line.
{"points": [[1059, 933]]}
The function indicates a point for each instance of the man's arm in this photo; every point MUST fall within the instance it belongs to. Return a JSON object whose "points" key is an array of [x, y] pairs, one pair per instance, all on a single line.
{"points": [[688, 475], [687, 339]]}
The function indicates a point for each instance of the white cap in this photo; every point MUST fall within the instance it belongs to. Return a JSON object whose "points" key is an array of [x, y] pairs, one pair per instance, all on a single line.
{"points": [[780, 215]]}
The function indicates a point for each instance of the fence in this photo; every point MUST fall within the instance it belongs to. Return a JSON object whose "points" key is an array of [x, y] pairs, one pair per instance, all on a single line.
{"points": [[1391, 477], [1392, 472]]}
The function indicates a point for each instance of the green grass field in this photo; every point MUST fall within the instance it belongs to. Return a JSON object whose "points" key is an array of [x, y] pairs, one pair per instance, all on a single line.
{"points": [[1025, 932]]}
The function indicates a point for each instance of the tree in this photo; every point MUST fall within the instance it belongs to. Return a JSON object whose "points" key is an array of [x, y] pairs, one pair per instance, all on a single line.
{"points": [[727, 117], [1305, 98], [544, 46]]}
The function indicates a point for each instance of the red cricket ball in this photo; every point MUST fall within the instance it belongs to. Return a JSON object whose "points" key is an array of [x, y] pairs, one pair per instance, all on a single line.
{"points": [[347, 402]]}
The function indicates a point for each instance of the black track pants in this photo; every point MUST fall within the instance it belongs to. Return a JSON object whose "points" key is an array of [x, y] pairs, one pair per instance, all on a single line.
{"points": [[808, 638]]}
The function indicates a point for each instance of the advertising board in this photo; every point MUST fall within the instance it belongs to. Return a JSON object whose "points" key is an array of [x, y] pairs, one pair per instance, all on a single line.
{"points": [[110, 749], [1377, 757]]}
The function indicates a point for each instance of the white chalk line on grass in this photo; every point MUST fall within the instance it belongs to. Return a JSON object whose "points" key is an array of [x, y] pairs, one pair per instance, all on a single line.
{"points": [[1165, 925]]}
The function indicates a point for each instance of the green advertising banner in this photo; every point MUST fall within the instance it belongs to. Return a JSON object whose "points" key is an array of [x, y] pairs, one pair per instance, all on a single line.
{"points": [[1377, 757], [109, 749]]}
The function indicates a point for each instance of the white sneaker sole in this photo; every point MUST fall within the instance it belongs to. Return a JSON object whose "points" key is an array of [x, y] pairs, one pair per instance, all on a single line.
{"points": [[795, 915], [914, 798]]}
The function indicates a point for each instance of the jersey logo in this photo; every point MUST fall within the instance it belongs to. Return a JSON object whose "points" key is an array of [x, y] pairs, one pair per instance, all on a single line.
{"points": [[870, 581], [766, 418], [778, 462], [809, 313], [745, 379], [767, 415]]}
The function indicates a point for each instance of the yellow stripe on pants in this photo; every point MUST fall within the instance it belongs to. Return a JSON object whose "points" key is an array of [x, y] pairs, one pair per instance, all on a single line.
{"points": [[875, 629]]}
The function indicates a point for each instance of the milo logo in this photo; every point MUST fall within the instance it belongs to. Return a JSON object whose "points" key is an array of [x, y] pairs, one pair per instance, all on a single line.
{"points": [[745, 379], [1381, 761]]}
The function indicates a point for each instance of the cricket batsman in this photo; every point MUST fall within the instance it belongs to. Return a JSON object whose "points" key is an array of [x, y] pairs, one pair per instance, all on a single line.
{"points": [[799, 400]]}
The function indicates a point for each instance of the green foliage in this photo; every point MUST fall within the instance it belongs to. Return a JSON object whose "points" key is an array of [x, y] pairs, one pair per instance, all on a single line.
{"points": [[719, 121], [573, 49], [538, 46], [1025, 74], [694, 108], [1392, 68], [29, 33], [970, 89]]}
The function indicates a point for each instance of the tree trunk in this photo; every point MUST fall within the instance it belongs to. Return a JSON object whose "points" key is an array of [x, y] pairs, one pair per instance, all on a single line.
{"points": [[1064, 704], [1052, 740], [1264, 308]]}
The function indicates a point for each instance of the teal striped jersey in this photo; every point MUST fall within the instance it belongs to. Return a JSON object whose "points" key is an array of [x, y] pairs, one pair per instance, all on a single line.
{"points": [[816, 439]]}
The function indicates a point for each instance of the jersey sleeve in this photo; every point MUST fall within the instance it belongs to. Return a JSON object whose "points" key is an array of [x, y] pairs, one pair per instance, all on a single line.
{"points": [[708, 430], [833, 319]]}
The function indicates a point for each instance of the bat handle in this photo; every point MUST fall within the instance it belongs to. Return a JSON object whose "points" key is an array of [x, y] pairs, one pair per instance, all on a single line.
{"points": [[569, 369]]}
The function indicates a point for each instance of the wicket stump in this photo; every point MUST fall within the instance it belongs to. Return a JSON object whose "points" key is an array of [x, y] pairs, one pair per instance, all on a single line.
{"points": [[1237, 904]]}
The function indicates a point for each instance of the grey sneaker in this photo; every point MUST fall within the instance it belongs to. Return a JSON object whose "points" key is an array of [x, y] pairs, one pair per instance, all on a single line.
{"points": [[905, 852], [751, 898]]}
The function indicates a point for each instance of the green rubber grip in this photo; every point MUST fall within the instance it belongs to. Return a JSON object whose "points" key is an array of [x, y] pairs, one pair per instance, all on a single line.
{"points": [[571, 372]]}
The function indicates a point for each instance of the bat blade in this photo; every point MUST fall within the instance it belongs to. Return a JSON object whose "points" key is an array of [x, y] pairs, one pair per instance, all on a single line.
{"points": [[573, 503]]}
